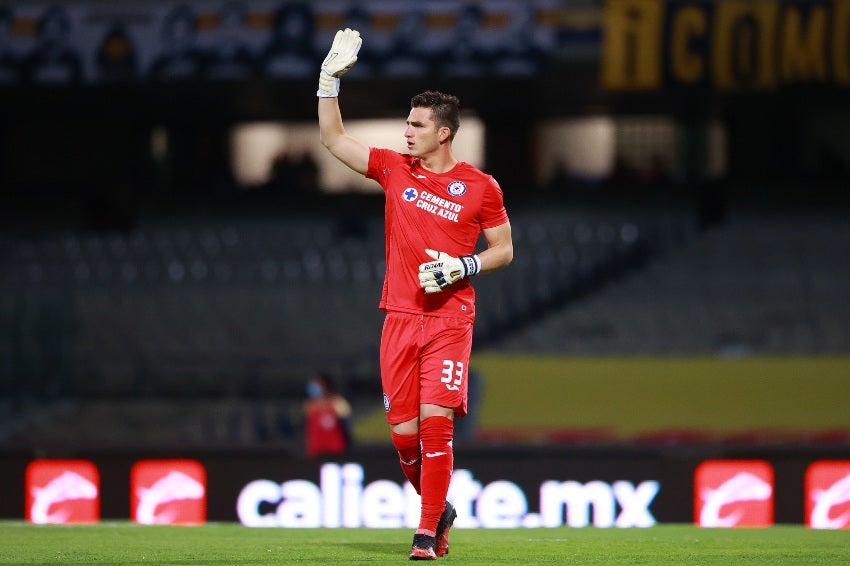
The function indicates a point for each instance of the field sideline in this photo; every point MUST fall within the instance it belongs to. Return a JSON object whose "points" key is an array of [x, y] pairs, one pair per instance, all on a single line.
{"points": [[122, 543]]}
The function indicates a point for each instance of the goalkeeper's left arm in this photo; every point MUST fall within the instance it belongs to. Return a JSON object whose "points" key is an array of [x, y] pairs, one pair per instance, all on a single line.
{"points": [[437, 275], [434, 276]]}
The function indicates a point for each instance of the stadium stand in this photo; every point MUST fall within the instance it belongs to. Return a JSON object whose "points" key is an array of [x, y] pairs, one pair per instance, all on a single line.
{"points": [[769, 283], [181, 312], [207, 329]]}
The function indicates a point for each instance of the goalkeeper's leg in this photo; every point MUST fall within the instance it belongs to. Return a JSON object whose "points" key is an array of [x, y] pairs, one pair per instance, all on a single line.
{"points": [[410, 457], [437, 461]]}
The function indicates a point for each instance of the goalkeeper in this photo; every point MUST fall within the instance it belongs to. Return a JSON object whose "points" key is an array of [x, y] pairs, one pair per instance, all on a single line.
{"points": [[435, 209]]}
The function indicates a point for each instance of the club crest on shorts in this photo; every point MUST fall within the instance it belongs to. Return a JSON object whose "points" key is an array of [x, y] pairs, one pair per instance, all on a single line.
{"points": [[409, 194], [456, 188], [386, 403]]}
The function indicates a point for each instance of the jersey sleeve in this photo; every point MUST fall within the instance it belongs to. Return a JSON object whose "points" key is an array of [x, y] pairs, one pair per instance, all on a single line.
{"points": [[493, 211], [381, 162]]}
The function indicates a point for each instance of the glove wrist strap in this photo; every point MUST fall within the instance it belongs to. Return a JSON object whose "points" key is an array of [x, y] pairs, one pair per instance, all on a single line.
{"points": [[328, 85], [472, 264]]}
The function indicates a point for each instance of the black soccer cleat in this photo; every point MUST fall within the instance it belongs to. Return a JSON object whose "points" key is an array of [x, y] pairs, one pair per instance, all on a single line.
{"points": [[441, 548], [423, 548]]}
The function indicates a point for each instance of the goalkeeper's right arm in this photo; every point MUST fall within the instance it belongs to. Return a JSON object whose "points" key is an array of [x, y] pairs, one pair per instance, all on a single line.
{"points": [[340, 58]]}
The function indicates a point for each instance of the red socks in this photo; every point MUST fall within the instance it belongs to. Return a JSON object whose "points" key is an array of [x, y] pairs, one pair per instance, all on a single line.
{"points": [[410, 457], [437, 463], [428, 469]]}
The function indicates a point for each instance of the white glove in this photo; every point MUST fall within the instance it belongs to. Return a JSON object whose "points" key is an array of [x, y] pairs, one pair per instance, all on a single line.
{"points": [[341, 57], [435, 276]]}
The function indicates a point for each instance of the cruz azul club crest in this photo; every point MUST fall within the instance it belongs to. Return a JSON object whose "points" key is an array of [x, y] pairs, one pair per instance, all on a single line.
{"points": [[456, 188]]}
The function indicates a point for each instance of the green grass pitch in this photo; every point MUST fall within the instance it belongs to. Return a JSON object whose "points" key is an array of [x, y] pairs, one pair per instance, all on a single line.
{"points": [[123, 543]]}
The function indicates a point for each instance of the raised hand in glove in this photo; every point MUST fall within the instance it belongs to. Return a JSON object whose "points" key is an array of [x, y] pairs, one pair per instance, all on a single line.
{"points": [[434, 276], [340, 59]]}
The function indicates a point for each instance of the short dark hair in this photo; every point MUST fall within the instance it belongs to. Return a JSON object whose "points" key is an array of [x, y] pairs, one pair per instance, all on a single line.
{"points": [[445, 107], [326, 381]]}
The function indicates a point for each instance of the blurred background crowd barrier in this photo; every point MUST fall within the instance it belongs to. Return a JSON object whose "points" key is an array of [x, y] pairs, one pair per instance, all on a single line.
{"points": [[89, 41]]}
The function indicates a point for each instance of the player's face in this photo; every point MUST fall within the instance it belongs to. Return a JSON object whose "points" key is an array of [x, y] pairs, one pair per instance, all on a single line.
{"points": [[422, 134]]}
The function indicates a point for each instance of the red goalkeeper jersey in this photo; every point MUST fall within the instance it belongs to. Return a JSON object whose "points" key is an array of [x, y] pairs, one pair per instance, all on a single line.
{"points": [[444, 212]]}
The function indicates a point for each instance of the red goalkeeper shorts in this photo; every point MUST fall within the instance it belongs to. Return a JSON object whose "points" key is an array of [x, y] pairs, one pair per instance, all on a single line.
{"points": [[424, 359]]}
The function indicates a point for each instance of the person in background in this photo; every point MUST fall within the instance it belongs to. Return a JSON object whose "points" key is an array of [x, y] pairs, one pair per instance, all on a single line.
{"points": [[518, 54], [289, 52], [407, 57], [465, 56], [436, 208], [117, 58], [326, 419], [180, 58], [232, 59], [54, 60]]}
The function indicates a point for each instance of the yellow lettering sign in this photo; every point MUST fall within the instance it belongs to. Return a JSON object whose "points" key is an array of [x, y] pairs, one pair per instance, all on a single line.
{"points": [[743, 45], [727, 45], [631, 44], [802, 45], [841, 42], [687, 66]]}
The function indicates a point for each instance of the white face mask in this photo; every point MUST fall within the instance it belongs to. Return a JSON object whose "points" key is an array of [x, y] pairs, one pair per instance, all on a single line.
{"points": [[314, 390]]}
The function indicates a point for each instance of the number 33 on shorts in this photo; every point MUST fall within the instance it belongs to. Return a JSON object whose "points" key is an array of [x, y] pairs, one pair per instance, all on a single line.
{"points": [[453, 372]]}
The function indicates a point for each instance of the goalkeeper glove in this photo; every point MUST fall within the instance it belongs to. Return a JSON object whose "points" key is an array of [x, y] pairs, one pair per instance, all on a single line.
{"points": [[434, 276], [340, 59]]}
